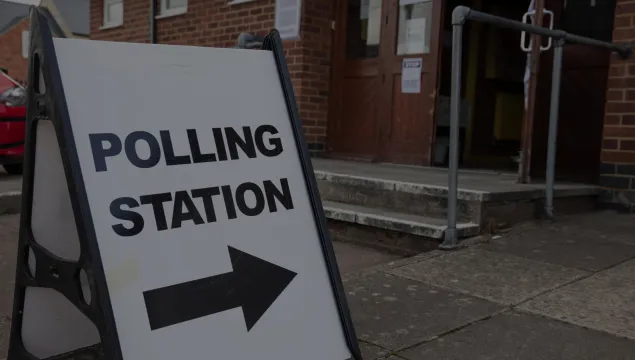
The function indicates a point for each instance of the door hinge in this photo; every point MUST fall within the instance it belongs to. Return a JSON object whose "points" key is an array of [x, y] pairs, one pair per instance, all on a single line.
{"points": [[332, 24], [386, 19]]}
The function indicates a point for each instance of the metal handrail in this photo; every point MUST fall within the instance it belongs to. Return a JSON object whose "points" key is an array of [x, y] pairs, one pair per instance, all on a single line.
{"points": [[459, 16]]}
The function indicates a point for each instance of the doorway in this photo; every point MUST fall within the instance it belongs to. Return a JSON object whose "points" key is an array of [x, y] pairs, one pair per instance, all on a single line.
{"points": [[492, 98], [585, 72], [378, 113]]}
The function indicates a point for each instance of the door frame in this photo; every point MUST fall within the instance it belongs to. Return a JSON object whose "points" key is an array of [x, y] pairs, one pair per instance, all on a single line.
{"points": [[338, 64]]}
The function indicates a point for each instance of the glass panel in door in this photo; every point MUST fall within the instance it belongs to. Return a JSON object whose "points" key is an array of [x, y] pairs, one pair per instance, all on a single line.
{"points": [[413, 33], [363, 29]]}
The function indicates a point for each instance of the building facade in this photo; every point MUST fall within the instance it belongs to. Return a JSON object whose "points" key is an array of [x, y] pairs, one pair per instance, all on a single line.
{"points": [[359, 101], [218, 23], [618, 146], [67, 18]]}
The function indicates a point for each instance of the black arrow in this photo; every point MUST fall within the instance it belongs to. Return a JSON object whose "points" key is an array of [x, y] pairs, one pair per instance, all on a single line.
{"points": [[253, 285]]}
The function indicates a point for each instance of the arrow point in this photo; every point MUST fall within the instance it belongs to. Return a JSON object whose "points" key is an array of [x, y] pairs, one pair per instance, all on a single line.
{"points": [[259, 282]]}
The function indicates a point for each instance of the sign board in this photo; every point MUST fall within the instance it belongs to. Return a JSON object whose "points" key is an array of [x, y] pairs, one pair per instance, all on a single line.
{"points": [[411, 75], [170, 210]]}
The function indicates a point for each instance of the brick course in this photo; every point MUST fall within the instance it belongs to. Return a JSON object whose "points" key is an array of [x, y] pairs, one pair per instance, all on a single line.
{"points": [[214, 23], [617, 172], [11, 51]]}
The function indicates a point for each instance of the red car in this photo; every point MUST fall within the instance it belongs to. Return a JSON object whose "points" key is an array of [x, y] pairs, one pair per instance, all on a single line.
{"points": [[12, 122]]}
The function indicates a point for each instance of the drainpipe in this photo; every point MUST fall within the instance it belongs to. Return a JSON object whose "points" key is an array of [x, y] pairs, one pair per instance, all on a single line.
{"points": [[153, 22]]}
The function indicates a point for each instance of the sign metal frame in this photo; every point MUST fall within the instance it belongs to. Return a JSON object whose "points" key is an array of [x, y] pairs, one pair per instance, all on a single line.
{"points": [[51, 106]]}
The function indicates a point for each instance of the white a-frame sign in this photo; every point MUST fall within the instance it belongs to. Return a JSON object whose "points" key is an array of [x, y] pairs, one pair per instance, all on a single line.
{"points": [[170, 210]]}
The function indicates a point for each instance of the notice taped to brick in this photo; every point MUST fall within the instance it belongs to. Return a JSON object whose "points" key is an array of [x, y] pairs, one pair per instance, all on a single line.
{"points": [[411, 76], [288, 18]]}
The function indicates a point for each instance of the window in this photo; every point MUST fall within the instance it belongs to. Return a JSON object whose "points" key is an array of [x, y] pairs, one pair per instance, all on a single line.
{"points": [[173, 7], [414, 27], [113, 12], [26, 39], [363, 29]]}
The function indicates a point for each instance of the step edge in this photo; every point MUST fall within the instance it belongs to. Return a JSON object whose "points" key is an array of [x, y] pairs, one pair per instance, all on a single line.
{"points": [[442, 191], [333, 212]]}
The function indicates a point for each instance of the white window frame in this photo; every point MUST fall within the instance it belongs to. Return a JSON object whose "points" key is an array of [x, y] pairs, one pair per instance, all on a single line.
{"points": [[165, 11], [107, 23]]}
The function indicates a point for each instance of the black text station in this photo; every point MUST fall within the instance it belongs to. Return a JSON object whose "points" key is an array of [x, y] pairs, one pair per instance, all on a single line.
{"points": [[229, 144]]}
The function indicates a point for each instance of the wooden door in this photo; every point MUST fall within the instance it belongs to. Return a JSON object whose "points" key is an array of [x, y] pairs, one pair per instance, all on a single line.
{"points": [[412, 31], [370, 118], [356, 84], [582, 92]]}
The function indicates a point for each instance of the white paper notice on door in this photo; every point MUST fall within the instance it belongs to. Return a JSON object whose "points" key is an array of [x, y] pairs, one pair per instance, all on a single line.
{"points": [[374, 22], [411, 75], [363, 9], [416, 36]]}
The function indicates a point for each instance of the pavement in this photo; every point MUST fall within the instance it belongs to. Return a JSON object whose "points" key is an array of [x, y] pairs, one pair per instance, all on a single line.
{"points": [[549, 291], [9, 228], [543, 291]]}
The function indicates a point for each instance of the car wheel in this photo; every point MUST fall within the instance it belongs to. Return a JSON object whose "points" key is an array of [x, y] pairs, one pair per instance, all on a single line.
{"points": [[13, 169]]}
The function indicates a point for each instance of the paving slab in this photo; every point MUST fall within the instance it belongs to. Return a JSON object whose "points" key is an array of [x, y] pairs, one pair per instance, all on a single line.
{"points": [[603, 226], [372, 352], [352, 257], [519, 336], [395, 313], [9, 230], [502, 278], [626, 269], [604, 301], [9, 183], [579, 248], [5, 329], [395, 264]]}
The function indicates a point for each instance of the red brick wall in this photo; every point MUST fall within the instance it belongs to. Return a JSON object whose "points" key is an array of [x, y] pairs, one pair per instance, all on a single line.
{"points": [[313, 71], [11, 51], [617, 172], [214, 23], [136, 24]]}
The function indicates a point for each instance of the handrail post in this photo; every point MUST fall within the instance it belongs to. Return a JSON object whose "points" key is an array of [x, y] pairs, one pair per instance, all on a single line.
{"points": [[459, 14], [552, 139]]}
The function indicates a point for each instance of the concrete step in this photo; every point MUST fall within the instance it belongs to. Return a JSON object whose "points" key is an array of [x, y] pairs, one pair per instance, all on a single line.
{"points": [[389, 230], [502, 205], [402, 197]]}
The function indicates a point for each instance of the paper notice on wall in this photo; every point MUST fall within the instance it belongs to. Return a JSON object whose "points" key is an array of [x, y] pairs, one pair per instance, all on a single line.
{"points": [[363, 9], [373, 31], [288, 18], [411, 76]]}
